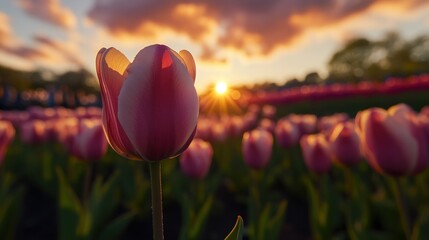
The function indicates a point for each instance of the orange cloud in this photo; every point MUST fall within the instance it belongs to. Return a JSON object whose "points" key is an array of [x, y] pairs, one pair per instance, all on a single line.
{"points": [[44, 51], [61, 49], [251, 27], [210, 55], [10, 44], [49, 11]]}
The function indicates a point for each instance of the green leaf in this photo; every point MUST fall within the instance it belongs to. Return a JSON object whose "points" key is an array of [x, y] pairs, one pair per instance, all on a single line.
{"points": [[201, 218], [116, 227], [237, 231], [271, 220], [102, 201], [69, 209], [10, 209]]}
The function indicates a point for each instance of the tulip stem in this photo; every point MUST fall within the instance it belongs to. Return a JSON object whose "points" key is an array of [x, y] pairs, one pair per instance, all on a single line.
{"points": [[155, 182], [401, 207], [87, 183]]}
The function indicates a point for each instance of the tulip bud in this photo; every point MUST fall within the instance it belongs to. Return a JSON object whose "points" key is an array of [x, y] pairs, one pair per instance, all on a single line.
{"points": [[33, 132], [306, 123], [316, 153], [196, 160], [287, 134], [392, 141], [150, 106], [7, 133], [268, 111], [409, 118], [89, 143], [267, 124], [257, 148], [345, 144]]}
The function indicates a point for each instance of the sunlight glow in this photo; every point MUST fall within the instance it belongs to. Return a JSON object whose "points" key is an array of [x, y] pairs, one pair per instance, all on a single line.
{"points": [[221, 88]]}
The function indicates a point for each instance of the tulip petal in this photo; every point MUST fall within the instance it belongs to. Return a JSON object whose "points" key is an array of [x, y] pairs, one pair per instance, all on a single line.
{"points": [[111, 71], [390, 147], [189, 62], [158, 104]]}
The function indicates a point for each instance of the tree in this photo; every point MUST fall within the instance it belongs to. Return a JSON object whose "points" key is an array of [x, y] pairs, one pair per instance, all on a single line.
{"points": [[363, 59]]}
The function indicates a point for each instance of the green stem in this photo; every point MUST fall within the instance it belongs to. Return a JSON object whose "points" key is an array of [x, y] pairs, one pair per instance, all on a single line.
{"points": [[87, 183], [394, 182], [255, 199], [155, 182]]}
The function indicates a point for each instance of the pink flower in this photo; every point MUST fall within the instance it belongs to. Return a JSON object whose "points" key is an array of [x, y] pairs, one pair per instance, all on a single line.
{"points": [[316, 152], [90, 142], [257, 148], [287, 133], [150, 106], [345, 144], [268, 111], [267, 124], [196, 160], [392, 141], [33, 132], [306, 123], [7, 133]]}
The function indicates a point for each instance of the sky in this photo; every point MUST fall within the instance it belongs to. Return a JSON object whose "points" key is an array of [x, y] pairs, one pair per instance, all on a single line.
{"points": [[235, 41]]}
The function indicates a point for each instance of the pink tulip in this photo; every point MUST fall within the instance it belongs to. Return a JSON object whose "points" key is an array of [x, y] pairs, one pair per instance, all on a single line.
{"points": [[196, 160], [7, 133], [327, 123], [257, 148], [218, 132], [392, 141], [423, 120], [287, 133], [410, 118], [316, 152], [269, 111], [150, 106], [306, 123], [66, 129], [267, 124], [90, 142], [33, 132], [345, 145]]}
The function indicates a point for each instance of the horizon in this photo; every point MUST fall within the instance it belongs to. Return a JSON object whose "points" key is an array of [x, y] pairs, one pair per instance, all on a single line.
{"points": [[230, 42]]}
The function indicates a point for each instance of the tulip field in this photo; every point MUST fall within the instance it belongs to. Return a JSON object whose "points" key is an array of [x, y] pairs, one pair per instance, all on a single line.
{"points": [[314, 162]]}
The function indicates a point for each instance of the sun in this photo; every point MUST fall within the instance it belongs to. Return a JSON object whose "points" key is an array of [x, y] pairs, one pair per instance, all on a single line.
{"points": [[221, 88]]}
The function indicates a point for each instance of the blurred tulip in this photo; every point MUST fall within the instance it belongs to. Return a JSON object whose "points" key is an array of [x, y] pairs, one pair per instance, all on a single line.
{"points": [[66, 129], [257, 148], [219, 133], [344, 142], [287, 134], [235, 125], [327, 123], [33, 132], [267, 124], [316, 152], [196, 160], [306, 123], [410, 119], [7, 133], [392, 141], [90, 142], [425, 110], [150, 106], [269, 111]]}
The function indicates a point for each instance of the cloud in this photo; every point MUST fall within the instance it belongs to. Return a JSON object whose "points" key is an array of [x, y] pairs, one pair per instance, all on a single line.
{"points": [[210, 55], [45, 51], [49, 11], [65, 51], [10, 44], [252, 27]]}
